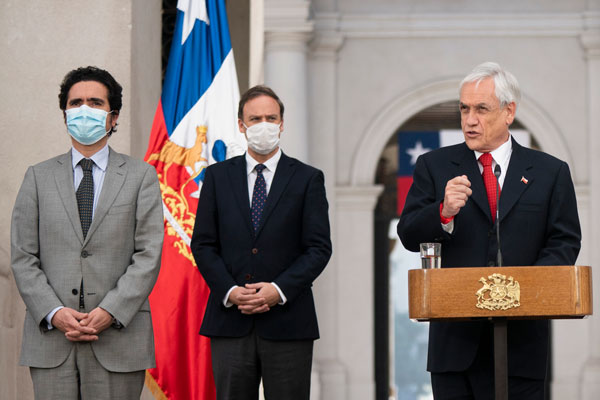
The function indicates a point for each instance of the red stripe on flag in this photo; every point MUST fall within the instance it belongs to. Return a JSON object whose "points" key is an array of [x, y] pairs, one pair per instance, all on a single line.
{"points": [[183, 360], [403, 184], [158, 134], [178, 302]]}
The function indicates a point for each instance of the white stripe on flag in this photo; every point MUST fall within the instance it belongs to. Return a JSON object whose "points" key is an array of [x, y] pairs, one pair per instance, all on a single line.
{"points": [[217, 110]]}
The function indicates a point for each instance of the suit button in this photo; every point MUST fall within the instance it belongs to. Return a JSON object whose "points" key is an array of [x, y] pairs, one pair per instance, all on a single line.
{"points": [[255, 251], [84, 254], [74, 291], [248, 277]]}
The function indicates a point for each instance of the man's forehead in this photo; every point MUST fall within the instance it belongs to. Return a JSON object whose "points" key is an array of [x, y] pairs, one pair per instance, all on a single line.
{"points": [[473, 96], [88, 90], [482, 87], [262, 104], [261, 112], [477, 102]]}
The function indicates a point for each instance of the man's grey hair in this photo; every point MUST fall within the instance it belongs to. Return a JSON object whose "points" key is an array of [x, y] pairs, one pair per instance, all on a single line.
{"points": [[505, 84]]}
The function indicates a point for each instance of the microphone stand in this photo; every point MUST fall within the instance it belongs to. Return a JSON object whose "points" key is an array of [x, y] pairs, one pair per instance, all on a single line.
{"points": [[500, 324], [497, 173]]}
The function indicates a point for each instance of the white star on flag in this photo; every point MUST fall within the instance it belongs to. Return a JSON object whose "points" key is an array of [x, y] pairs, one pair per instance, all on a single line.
{"points": [[416, 151], [193, 10]]}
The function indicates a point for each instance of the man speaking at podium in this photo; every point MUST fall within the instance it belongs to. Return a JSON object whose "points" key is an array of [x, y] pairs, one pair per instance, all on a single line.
{"points": [[453, 201]]}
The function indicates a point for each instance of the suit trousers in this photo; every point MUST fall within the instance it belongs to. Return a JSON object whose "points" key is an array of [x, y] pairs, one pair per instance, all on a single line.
{"points": [[239, 364], [82, 377], [477, 382]]}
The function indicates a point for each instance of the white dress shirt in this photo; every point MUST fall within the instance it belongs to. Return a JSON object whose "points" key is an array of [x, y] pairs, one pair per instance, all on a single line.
{"points": [[268, 173], [500, 156], [100, 160]]}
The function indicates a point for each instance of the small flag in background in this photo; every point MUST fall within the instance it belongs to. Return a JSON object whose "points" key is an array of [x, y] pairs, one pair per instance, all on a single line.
{"points": [[195, 125], [410, 146]]}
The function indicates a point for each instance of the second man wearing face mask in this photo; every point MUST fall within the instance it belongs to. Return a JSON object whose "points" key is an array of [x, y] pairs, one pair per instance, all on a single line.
{"points": [[261, 238]]}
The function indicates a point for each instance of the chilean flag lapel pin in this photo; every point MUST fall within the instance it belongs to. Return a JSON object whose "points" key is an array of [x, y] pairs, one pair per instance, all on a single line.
{"points": [[524, 180]]}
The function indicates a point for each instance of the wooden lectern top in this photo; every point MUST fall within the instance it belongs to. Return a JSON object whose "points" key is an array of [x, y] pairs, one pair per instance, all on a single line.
{"points": [[511, 292]]}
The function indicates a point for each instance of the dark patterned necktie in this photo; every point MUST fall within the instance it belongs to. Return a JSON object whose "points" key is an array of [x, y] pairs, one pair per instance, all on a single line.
{"points": [[259, 196], [489, 179], [85, 195]]}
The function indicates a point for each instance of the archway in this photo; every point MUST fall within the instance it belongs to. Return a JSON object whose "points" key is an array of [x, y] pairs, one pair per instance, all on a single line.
{"points": [[539, 123]]}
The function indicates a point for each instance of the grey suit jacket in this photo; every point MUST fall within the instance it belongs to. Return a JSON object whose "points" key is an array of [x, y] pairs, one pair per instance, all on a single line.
{"points": [[118, 261]]}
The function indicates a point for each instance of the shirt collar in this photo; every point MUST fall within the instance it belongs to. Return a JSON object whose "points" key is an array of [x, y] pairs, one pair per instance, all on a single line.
{"points": [[100, 158], [271, 163], [501, 154]]}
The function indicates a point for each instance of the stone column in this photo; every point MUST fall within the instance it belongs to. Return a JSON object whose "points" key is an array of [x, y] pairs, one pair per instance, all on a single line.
{"points": [[590, 40], [257, 43], [287, 31], [322, 124], [355, 308]]}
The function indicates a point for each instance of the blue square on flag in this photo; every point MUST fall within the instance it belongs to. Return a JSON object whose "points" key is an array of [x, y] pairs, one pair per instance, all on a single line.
{"points": [[411, 145]]}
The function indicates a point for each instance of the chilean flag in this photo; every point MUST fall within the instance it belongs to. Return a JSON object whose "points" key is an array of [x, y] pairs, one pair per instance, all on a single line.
{"points": [[412, 144], [195, 125]]}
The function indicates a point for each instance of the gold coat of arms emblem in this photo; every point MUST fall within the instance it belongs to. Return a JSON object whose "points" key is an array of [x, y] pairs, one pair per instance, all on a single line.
{"points": [[498, 293]]}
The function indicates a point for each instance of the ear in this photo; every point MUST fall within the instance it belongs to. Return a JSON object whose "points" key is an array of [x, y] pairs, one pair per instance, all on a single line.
{"points": [[241, 126], [511, 109], [281, 128], [114, 117]]}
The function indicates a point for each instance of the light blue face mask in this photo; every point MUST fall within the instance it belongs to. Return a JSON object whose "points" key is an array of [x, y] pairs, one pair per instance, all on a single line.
{"points": [[86, 125]]}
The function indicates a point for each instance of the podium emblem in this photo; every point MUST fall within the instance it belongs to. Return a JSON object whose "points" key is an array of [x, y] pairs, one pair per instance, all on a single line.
{"points": [[498, 293]]}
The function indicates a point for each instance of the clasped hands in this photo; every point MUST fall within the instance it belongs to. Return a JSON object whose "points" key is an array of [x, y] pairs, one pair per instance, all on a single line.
{"points": [[81, 327], [255, 298], [458, 191]]}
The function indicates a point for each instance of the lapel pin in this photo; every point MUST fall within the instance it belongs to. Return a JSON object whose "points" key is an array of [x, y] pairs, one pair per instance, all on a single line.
{"points": [[524, 180]]}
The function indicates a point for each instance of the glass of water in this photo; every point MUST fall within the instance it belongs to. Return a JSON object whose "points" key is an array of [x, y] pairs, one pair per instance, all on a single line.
{"points": [[431, 255]]}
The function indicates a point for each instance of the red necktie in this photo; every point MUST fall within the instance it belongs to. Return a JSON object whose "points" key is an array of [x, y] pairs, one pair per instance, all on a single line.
{"points": [[490, 182]]}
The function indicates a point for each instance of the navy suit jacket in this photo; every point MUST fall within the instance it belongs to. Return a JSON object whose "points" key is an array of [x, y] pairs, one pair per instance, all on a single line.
{"points": [[291, 247], [539, 225]]}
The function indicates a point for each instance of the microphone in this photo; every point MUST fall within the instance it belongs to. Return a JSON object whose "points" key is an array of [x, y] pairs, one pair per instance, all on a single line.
{"points": [[497, 173]]}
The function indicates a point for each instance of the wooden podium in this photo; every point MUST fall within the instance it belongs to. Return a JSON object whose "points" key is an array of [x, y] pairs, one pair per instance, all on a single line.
{"points": [[499, 294]]}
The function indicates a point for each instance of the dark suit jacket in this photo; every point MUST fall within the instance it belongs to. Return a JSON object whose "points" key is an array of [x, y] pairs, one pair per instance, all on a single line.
{"points": [[539, 225], [291, 247]]}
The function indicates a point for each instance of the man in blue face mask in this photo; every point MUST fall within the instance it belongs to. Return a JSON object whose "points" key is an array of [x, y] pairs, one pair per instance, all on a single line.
{"points": [[86, 240]]}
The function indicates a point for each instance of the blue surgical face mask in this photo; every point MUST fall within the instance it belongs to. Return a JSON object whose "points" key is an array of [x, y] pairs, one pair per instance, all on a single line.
{"points": [[86, 125]]}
